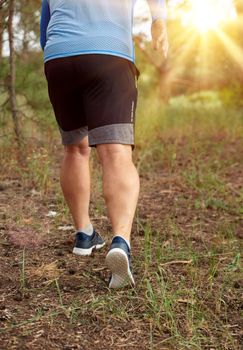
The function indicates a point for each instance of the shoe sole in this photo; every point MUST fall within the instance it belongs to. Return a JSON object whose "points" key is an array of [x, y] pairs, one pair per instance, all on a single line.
{"points": [[118, 264], [86, 252]]}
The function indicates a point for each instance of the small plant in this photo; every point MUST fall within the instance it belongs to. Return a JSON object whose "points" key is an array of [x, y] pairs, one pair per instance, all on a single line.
{"points": [[38, 164], [235, 263], [22, 273], [226, 230], [59, 292], [160, 301], [216, 204], [213, 269], [147, 246]]}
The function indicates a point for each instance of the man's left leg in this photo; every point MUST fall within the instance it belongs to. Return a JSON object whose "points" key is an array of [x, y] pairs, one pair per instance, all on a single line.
{"points": [[75, 183]]}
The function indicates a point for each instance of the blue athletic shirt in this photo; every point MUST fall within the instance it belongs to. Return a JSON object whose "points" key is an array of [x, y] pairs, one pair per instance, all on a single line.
{"points": [[74, 27]]}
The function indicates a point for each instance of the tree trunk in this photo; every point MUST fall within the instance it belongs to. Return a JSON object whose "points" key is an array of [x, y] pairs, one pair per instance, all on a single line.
{"points": [[2, 27], [1, 38], [12, 74]]}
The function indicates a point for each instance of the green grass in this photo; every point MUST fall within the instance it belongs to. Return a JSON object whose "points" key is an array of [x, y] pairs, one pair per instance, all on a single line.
{"points": [[187, 271]]}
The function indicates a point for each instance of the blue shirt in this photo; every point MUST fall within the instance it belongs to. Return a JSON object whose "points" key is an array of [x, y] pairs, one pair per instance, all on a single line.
{"points": [[74, 27]]}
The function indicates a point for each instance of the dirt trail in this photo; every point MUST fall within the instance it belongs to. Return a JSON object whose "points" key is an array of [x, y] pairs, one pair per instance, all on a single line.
{"points": [[50, 299]]}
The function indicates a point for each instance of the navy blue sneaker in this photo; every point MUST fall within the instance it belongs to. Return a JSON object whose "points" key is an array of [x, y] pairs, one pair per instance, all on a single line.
{"points": [[84, 244], [118, 261]]}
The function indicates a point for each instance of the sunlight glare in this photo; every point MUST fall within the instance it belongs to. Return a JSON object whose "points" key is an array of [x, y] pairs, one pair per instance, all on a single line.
{"points": [[208, 15]]}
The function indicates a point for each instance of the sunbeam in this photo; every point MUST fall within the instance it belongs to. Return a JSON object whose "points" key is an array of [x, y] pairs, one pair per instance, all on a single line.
{"points": [[182, 52], [233, 49]]}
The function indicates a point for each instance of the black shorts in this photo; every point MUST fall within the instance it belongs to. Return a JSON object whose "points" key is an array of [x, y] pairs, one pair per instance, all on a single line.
{"points": [[93, 95]]}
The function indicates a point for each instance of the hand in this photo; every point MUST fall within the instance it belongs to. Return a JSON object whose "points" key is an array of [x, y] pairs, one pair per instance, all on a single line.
{"points": [[160, 36]]}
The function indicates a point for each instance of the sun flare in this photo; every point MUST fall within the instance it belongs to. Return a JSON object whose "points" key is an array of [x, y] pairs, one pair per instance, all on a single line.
{"points": [[206, 15]]}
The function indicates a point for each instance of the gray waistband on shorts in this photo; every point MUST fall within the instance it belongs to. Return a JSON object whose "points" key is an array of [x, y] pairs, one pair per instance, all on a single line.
{"points": [[114, 133], [74, 136]]}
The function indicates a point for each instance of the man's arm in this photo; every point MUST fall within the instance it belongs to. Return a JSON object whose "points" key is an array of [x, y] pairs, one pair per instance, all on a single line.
{"points": [[159, 29], [45, 18], [158, 9]]}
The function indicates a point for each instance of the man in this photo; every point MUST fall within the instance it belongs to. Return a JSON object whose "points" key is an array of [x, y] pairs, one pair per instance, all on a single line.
{"points": [[89, 66]]}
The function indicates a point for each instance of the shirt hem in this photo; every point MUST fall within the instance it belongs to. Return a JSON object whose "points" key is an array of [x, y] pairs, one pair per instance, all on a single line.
{"points": [[85, 52]]}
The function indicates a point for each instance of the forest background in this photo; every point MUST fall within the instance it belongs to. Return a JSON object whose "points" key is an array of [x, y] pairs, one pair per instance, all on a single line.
{"points": [[187, 232]]}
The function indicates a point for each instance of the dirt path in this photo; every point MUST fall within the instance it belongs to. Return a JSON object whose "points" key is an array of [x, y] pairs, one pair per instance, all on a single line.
{"points": [[186, 243]]}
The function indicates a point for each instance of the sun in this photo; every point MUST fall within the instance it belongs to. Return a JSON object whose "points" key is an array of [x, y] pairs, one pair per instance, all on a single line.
{"points": [[206, 15]]}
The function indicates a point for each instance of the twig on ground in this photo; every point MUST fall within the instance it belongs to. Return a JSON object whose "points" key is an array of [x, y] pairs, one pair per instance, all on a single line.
{"points": [[177, 262]]}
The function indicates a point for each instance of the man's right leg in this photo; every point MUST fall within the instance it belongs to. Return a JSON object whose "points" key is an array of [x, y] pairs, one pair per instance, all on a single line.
{"points": [[120, 186], [121, 189]]}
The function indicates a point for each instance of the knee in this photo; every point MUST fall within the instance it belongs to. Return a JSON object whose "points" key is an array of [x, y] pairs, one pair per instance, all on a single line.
{"points": [[81, 149], [114, 153]]}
